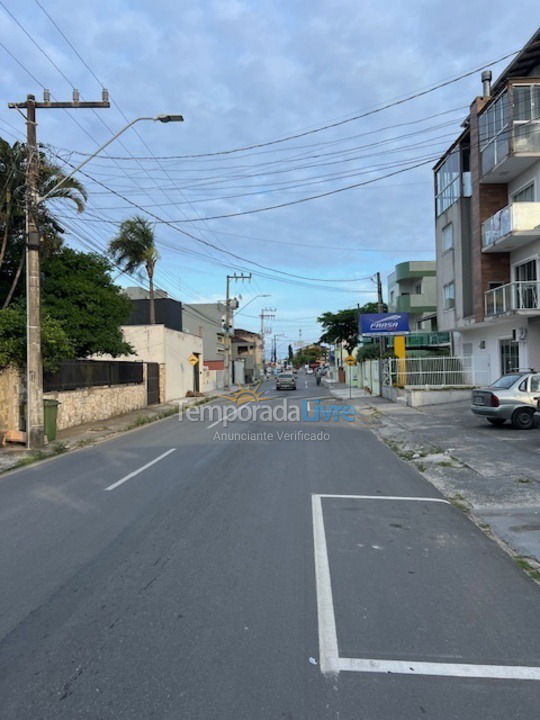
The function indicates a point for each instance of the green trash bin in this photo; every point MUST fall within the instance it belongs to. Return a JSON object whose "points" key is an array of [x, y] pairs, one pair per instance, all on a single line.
{"points": [[50, 413]]}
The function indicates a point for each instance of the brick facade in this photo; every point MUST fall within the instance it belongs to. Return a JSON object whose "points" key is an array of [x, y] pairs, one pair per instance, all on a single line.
{"points": [[486, 200]]}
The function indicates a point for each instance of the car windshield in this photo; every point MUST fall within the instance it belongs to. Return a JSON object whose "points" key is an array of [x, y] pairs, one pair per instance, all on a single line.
{"points": [[506, 381]]}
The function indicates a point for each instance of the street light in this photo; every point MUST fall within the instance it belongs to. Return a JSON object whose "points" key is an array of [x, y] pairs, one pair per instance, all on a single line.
{"points": [[157, 118], [34, 384], [250, 301]]}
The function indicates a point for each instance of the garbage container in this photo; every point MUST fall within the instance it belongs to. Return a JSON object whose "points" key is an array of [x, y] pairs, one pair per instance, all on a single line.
{"points": [[50, 413]]}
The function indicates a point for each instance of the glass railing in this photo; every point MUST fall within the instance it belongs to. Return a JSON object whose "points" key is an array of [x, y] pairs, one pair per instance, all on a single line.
{"points": [[423, 339], [518, 217], [513, 296]]}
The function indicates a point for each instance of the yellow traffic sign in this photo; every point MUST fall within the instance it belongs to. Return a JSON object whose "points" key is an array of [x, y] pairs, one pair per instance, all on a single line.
{"points": [[193, 359], [350, 360]]}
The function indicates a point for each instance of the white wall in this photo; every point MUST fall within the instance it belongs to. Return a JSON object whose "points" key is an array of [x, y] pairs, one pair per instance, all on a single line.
{"points": [[489, 358], [156, 343]]}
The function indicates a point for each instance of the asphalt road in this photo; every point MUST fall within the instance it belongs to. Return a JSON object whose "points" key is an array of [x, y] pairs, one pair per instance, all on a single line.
{"points": [[176, 572]]}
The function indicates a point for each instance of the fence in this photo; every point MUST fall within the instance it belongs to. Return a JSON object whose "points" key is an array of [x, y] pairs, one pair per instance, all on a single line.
{"points": [[75, 374], [434, 372]]}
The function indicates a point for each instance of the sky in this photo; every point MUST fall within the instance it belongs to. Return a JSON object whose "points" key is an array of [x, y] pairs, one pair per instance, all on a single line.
{"points": [[251, 74]]}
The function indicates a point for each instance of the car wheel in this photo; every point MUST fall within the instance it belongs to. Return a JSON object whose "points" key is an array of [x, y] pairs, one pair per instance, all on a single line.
{"points": [[523, 419], [496, 421]]}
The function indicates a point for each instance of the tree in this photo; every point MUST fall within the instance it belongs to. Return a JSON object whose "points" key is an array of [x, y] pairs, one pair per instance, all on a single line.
{"points": [[308, 355], [342, 326], [291, 353], [78, 292], [135, 246], [55, 344], [13, 162]]}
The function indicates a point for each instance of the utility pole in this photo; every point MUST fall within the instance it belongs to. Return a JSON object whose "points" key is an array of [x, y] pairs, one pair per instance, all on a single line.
{"points": [[34, 364], [267, 313], [382, 340], [228, 325]]}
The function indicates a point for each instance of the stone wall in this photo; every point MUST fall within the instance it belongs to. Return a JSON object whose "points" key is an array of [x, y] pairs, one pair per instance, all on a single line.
{"points": [[10, 389], [97, 403]]}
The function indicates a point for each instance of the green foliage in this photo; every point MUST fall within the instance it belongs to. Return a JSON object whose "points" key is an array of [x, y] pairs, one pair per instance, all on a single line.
{"points": [[55, 343], [13, 163], [79, 293], [308, 355], [342, 326]]}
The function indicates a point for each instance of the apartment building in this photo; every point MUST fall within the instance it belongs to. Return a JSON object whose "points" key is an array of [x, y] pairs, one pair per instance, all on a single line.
{"points": [[487, 219], [412, 288]]}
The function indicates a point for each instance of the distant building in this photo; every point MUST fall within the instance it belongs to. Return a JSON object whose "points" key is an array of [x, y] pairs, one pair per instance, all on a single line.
{"points": [[412, 288], [207, 320], [487, 221], [247, 348]]}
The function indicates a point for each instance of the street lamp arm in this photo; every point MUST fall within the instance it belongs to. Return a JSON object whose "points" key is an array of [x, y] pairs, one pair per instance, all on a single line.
{"points": [[250, 301], [159, 118]]}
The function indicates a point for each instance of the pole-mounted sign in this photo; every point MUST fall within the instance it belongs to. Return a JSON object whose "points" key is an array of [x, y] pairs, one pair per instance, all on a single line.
{"points": [[384, 324]]}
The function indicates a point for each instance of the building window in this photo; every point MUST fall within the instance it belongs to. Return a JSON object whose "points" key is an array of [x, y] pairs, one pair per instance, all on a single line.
{"points": [[449, 295], [526, 118], [448, 237], [418, 288], [447, 182], [494, 133], [526, 194]]}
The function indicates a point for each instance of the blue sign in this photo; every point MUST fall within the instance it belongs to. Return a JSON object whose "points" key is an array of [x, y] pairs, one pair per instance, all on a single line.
{"points": [[384, 324]]}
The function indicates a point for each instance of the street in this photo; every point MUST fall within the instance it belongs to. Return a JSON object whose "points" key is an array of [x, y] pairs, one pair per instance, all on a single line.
{"points": [[170, 574]]}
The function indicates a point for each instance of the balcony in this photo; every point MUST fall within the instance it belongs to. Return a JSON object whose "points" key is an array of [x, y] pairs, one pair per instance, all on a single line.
{"points": [[510, 132], [414, 304], [512, 227], [518, 297]]}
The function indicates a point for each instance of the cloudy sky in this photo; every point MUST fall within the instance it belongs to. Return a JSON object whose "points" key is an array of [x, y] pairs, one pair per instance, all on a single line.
{"points": [[251, 74]]}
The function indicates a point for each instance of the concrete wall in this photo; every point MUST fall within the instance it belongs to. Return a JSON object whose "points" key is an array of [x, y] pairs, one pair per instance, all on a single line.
{"points": [[10, 388], [97, 403], [171, 349], [205, 320]]}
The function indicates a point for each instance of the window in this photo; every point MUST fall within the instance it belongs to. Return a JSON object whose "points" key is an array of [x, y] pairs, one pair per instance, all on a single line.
{"points": [[535, 383], [526, 118], [526, 194], [447, 237], [418, 288], [494, 127], [494, 284], [509, 354], [449, 295], [447, 182]]}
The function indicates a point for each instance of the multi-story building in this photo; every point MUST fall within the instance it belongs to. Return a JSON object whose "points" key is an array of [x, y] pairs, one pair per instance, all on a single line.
{"points": [[247, 348], [487, 208], [412, 288], [207, 320]]}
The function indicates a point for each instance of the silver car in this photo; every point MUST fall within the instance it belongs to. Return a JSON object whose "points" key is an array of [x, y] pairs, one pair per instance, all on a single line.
{"points": [[286, 381], [512, 397]]}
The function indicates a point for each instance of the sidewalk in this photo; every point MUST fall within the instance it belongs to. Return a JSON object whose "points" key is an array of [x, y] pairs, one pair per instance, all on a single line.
{"points": [[488, 471], [76, 437]]}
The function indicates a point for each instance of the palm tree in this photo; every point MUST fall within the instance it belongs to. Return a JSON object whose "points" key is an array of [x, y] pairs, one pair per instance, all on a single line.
{"points": [[135, 246], [13, 159]]}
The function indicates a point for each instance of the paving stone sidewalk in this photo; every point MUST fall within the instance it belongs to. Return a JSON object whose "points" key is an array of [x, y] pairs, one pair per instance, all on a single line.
{"points": [[491, 472]]}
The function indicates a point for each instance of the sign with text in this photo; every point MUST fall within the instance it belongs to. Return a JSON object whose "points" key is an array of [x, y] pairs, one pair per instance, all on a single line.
{"points": [[384, 324]]}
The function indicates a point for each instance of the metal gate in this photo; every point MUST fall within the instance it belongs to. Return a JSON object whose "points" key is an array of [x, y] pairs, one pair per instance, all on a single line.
{"points": [[152, 383]]}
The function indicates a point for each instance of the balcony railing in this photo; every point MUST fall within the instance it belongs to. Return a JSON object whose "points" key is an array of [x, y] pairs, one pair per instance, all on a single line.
{"points": [[510, 128], [521, 220], [513, 296]]}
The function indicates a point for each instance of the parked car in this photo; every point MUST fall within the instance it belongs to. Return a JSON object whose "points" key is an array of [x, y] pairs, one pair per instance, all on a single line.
{"points": [[512, 397], [286, 381]]}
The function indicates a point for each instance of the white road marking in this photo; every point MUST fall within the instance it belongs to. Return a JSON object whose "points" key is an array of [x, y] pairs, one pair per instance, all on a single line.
{"points": [[413, 667], [331, 663], [328, 644], [140, 470], [386, 497], [231, 417]]}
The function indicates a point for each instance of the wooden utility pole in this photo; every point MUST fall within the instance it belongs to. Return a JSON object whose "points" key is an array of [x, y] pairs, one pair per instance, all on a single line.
{"points": [[34, 364]]}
